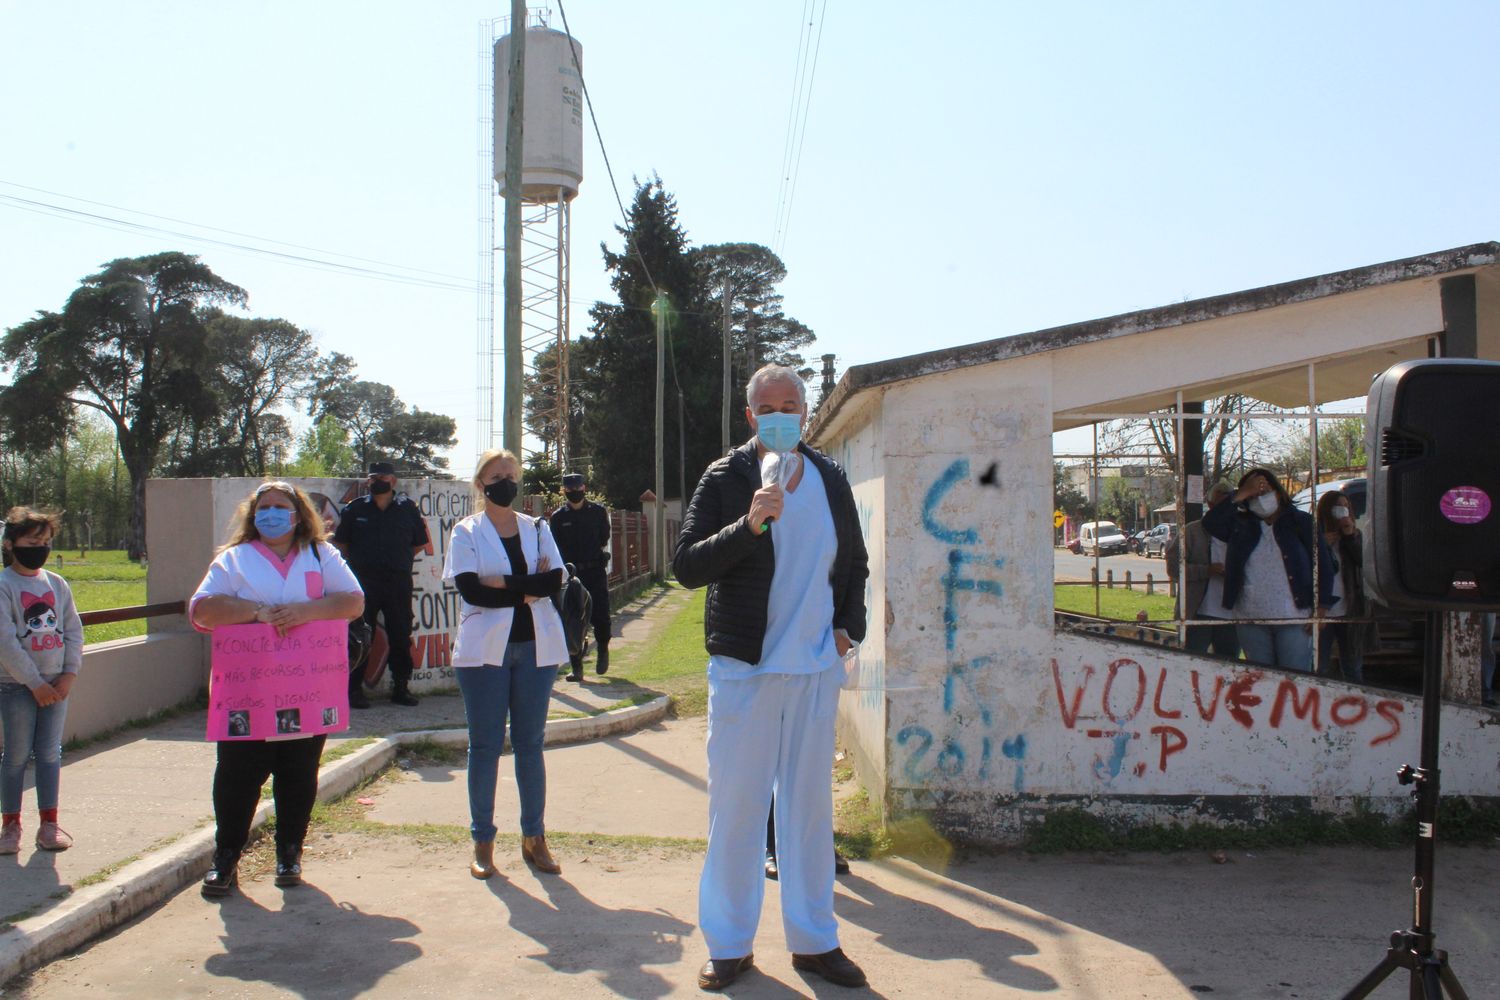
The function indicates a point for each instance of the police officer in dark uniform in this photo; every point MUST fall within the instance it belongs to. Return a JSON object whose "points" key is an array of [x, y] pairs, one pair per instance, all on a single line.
{"points": [[581, 528], [380, 534]]}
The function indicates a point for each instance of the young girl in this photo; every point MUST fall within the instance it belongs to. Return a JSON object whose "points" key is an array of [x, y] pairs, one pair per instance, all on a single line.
{"points": [[41, 649]]}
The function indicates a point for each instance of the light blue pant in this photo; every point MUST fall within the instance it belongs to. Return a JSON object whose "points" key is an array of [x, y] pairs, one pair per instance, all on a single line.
{"points": [[1287, 646], [30, 730], [770, 732], [521, 690]]}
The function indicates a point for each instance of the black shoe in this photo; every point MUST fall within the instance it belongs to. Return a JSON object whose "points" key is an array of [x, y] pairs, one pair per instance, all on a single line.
{"points": [[601, 659], [718, 973], [223, 876], [833, 966], [840, 864], [402, 696], [288, 865], [576, 677], [772, 872], [357, 698]]}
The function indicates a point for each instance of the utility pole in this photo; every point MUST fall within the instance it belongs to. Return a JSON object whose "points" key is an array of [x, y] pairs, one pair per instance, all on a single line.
{"points": [[724, 420], [659, 514], [515, 106]]}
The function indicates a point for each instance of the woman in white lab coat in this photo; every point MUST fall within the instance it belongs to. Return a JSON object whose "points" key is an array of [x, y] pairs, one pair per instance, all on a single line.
{"points": [[277, 569], [510, 640]]}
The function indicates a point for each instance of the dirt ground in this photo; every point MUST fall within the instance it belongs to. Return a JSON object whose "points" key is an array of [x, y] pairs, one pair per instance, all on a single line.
{"points": [[390, 910]]}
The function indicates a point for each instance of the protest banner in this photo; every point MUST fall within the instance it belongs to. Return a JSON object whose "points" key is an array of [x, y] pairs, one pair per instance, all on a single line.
{"points": [[263, 685]]}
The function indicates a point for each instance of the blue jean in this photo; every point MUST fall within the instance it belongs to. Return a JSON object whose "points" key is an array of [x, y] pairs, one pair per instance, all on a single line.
{"points": [[1351, 660], [1287, 646], [520, 689], [30, 730]]}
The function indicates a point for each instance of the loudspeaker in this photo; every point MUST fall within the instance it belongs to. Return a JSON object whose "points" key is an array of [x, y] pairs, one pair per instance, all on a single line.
{"points": [[1432, 439]]}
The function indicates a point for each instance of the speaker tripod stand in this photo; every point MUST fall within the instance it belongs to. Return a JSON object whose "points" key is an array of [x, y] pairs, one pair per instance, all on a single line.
{"points": [[1412, 948]]}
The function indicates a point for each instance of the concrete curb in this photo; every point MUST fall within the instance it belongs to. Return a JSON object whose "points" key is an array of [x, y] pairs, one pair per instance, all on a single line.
{"points": [[97, 909]]}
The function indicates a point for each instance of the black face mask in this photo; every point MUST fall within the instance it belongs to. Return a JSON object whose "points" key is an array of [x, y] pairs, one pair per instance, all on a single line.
{"points": [[31, 556], [574, 496], [379, 487], [501, 492]]}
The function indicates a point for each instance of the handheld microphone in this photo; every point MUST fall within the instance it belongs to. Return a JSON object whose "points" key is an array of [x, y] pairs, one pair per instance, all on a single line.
{"points": [[770, 475]]}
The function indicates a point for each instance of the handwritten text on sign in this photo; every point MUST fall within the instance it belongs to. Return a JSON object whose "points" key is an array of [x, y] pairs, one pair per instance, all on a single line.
{"points": [[265, 685]]}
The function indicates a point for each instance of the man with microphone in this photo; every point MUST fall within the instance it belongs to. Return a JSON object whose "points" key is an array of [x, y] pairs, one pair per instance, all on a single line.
{"points": [[773, 532]]}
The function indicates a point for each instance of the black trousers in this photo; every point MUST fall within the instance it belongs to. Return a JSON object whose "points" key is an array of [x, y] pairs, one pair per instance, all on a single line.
{"points": [[595, 580], [388, 595], [244, 766]]}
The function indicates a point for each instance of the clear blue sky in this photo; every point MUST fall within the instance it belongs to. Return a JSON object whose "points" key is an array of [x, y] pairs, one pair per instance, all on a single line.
{"points": [[970, 170]]}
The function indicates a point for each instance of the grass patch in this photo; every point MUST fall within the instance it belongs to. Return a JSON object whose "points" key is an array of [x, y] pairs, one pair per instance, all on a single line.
{"points": [[857, 830], [672, 663], [1460, 820], [106, 579], [343, 749], [1118, 603], [432, 753]]}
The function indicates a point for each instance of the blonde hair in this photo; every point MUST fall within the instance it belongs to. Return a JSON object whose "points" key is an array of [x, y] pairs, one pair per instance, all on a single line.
{"points": [[485, 461], [308, 529]]}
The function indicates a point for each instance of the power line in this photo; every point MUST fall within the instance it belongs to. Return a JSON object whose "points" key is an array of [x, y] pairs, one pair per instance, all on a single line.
{"points": [[125, 225], [228, 232], [804, 74]]}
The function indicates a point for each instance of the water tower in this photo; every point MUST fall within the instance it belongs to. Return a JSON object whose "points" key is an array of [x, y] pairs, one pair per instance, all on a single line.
{"points": [[552, 169]]}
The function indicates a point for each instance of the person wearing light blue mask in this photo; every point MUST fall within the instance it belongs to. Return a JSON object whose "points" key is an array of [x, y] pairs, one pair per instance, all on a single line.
{"points": [[784, 607], [277, 569]]}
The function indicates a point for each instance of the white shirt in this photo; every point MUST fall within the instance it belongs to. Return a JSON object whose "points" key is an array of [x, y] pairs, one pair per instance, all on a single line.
{"points": [[799, 611], [1213, 595], [252, 572], [475, 547], [1267, 593]]}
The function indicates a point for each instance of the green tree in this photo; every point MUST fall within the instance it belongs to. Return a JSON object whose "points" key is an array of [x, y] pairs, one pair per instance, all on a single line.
{"points": [[363, 409], [130, 343], [1067, 497], [412, 440], [323, 450]]}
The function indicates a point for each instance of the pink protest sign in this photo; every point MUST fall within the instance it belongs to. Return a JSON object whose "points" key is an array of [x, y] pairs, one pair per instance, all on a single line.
{"points": [[265, 685]]}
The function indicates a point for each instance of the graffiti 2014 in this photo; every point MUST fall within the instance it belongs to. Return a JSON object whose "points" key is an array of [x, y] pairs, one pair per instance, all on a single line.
{"points": [[969, 572], [1113, 706]]}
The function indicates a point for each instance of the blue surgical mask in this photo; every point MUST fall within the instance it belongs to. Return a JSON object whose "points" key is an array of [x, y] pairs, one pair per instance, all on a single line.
{"points": [[273, 522], [779, 431]]}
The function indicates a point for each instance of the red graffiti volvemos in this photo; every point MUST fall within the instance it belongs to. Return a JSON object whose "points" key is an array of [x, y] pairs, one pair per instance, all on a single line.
{"points": [[1121, 701]]}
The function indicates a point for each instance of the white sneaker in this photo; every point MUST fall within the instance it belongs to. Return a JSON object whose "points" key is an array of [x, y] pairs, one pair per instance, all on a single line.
{"points": [[51, 837]]}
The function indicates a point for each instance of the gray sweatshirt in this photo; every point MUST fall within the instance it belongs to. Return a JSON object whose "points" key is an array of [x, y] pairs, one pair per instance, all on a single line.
{"points": [[41, 635]]}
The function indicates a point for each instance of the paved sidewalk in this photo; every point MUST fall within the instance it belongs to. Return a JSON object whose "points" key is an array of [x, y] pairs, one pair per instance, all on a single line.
{"points": [[143, 792]]}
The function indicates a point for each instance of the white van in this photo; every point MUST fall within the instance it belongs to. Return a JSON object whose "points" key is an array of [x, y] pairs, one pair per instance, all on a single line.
{"points": [[1101, 538]]}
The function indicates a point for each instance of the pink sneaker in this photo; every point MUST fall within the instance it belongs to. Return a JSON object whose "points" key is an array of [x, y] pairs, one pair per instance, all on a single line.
{"points": [[51, 837], [10, 838]]}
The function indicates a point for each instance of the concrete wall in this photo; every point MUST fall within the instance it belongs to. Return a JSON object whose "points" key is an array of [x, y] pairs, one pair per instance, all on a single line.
{"points": [[990, 715], [862, 711], [130, 679]]}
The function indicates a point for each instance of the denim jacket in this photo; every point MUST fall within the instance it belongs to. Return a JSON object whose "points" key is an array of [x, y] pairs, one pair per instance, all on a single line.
{"points": [[1233, 524]]}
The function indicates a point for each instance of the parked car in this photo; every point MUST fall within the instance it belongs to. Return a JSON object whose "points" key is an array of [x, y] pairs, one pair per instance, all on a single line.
{"points": [[1101, 538], [1157, 539], [1355, 489]]}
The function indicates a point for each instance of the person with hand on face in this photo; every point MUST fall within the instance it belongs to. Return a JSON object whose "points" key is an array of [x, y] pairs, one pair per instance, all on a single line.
{"points": [[510, 640], [581, 528], [276, 569], [381, 533], [773, 532], [1268, 569], [41, 649], [1344, 541]]}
